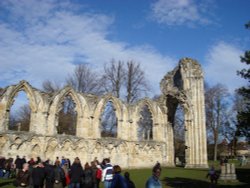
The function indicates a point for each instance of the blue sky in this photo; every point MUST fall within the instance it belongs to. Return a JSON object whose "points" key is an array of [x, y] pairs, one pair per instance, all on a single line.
{"points": [[46, 39]]}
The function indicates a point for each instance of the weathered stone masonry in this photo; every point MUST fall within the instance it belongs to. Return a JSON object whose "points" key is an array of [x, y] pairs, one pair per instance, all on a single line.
{"points": [[183, 85]]}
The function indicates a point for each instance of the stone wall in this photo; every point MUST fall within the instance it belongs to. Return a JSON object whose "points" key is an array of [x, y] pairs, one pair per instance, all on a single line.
{"points": [[184, 86]]}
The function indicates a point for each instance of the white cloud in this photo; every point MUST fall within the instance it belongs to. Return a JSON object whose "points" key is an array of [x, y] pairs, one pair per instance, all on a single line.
{"points": [[222, 63], [44, 40], [180, 12]]}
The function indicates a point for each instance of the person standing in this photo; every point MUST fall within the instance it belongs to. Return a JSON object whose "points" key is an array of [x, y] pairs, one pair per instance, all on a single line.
{"points": [[94, 174], [129, 182], [98, 175], [107, 173], [18, 164], [118, 180], [49, 174], [38, 175], [59, 176], [87, 176], [23, 176], [154, 181], [75, 174]]}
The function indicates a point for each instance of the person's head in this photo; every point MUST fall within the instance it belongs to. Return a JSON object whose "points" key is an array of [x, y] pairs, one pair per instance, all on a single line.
{"points": [[107, 160], [57, 163], [86, 166], [40, 164], [93, 164], [25, 166], [157, 171], [126, 175], [77, 160], [117, 169]]}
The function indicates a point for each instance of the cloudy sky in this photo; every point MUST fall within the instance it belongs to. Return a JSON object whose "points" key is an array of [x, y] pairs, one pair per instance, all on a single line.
{"points": [[46, 39]]}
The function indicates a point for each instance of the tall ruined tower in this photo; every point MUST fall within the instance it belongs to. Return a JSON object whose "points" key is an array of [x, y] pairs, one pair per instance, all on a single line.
{"points": [[185, 86]]}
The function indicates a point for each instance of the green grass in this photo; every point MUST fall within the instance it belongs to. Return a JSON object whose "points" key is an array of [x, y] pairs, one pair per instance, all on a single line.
{"points": [[171, 176]]}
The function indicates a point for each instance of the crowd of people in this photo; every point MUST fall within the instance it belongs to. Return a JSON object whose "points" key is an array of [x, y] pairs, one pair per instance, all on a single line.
{"points": [[36, 173]]}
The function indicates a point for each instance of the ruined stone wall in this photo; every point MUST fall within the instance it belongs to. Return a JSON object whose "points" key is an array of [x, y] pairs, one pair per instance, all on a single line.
{"points": [[126, 150]]}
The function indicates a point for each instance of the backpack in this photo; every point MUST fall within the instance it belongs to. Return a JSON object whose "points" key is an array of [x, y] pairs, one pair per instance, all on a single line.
{"points": [[98, 174]]}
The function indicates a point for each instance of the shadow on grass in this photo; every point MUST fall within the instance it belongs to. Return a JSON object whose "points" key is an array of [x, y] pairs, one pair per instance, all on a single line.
{"points": [[6, 182], [193, 183], [243, 175], [185, 182]]}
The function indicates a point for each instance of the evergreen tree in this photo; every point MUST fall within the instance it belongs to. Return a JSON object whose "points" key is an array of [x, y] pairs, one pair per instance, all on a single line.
{"points": [[243, 116]]}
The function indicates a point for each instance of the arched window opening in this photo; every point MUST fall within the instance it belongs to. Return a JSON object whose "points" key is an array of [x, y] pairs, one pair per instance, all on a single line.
{"points": [[67, 117], [109, 121], [19, 117], [145, 124], [179, 136]]}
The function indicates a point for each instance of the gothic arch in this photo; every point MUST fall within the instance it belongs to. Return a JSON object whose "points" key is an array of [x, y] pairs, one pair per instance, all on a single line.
{"points": [[7, 101], [101, 104], [82, 108], [151, 106], [25, 86]]}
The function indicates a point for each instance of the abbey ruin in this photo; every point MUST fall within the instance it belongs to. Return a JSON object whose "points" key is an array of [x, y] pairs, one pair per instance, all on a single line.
{"points": [[182, 86]]}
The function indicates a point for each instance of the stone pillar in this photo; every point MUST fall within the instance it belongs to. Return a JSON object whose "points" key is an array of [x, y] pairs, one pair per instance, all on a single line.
{"points": [[228, 172], [193, 89]]}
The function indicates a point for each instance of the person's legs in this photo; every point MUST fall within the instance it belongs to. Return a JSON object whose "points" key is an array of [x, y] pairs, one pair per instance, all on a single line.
{"points": [[107, 184]]}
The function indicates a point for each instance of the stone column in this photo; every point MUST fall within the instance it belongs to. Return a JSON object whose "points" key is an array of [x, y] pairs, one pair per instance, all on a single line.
{"points": [[192, 77]]}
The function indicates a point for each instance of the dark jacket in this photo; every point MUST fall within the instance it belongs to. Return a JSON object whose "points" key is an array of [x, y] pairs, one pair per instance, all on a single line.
{"points": [[18, 163], [23, 178], [76, 173], [49, 175], [88, 178], [130, 184], [38, 176], [118, 181]]}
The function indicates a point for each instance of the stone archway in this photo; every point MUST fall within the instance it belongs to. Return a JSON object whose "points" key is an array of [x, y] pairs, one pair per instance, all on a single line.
{"points": [[184, 85]]}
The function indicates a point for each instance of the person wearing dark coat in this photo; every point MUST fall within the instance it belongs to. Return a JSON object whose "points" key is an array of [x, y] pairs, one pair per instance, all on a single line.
{"points": [[59, 176], [130, 184], [18, 164], [23, 176], [118, 180], [38, 175], [88, 176], [76, 174], [49, 175]]}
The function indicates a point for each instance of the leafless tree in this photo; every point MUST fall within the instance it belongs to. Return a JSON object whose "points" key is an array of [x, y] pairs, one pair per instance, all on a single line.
{"points": [[179, 133], [145, 124], [126, 81], [50, 87], [216, 112], [136, 83], [21, 119], [84, 80], [109, 121], [114, 77], [67, 117]]}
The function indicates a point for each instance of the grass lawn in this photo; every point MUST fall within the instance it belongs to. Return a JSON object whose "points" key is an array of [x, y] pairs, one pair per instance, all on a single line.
{"points": [[178, 177]]}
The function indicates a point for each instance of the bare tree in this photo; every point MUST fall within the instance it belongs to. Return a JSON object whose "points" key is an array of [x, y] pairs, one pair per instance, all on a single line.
{"points": [[136, 83], [50, 87], [109, 121], [216, 112], [114, 77], [126, 81], [84, 80], [67, 117], [21, 119], [145, 124], [179, 133]]}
